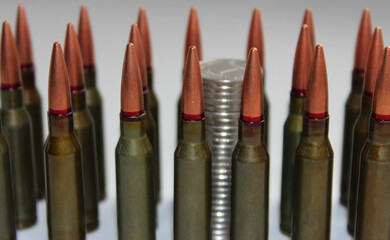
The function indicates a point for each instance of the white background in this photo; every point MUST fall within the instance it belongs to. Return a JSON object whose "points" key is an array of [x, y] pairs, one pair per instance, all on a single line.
{"points": [[224, 26]]}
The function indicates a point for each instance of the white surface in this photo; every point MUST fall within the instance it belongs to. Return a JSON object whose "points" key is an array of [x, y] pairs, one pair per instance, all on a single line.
{"points": [[224, 33]]}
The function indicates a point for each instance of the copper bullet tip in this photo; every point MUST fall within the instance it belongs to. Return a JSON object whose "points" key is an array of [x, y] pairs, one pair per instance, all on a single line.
{"points": [[74, 61], [317, 90], [135, 38], [308, 20], [302, 62], [192, 105], [363, 42], [375, 56], [255, 38], [252, 89], [193, 34], [10, 66], [86, 40], [59, 90], [145, 35], [132, 101], [381, 103], [23, 39]]}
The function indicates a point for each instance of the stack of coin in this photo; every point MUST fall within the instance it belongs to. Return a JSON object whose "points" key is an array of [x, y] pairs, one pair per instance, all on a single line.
{"points": [[222, 83]]}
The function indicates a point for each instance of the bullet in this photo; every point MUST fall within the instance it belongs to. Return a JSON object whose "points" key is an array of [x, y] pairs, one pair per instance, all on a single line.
{"points": [[93, 97], [250, 160], [7, 211], [17, 129], [63, 158], [361, 128], [293, 125], [308, 20], [151, 129], [373, 209], [134, 159], [83, 128], [192, 173], [32, 99], [314, 160], [352, 105], [256, 40], [153, 101], [193, 38]]}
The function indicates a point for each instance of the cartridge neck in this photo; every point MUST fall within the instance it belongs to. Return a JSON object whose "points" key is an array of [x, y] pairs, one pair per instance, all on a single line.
{"points": [[357, 81], [146, 99], [366, 105], [90, 78], [192, 131], [150, 79], [297, 105], [251, 133], [60, 125], [132, 127], [315, 129], [379, 131], [11, 99], [79, 102], [28, 77]]}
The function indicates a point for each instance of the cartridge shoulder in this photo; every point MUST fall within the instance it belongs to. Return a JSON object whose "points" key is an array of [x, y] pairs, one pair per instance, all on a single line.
{"points": [[193, 151], [293, 123], [376, 152], [31, 96], [134, 147], [93, 97], [353, 100], [82, 119], [62, 145], [15, 117], [361, 125], [250, 154], [315, 150]]}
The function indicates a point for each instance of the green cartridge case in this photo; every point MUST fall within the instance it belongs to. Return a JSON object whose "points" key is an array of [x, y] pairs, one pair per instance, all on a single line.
{"points": [[352, 111], [95, 107], [151, 132], [360, 136], [192, 183], [313, 182], [291, 138], [64, 180], [134, 177], [32, 101], [84, 130], [153, 108], [17, 129], [373, 209], [7, 211], [250, 184]]}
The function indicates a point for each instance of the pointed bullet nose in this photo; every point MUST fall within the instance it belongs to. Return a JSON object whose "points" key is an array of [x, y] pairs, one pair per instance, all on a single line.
{"points": [[193, 37], [132, 102], [381, 103], [145, 35], [302, 62], [363, 42], [317, 90], [308, 20], [135, 38], [255, 38], [252, 108], [59, 90], [23, 39], [374, 59], [192, 105], [11, 78], [86, 39], [74, 61]]}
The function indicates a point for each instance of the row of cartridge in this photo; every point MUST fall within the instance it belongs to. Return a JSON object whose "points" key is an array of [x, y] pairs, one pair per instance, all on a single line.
{"points": [[68, 168]]}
